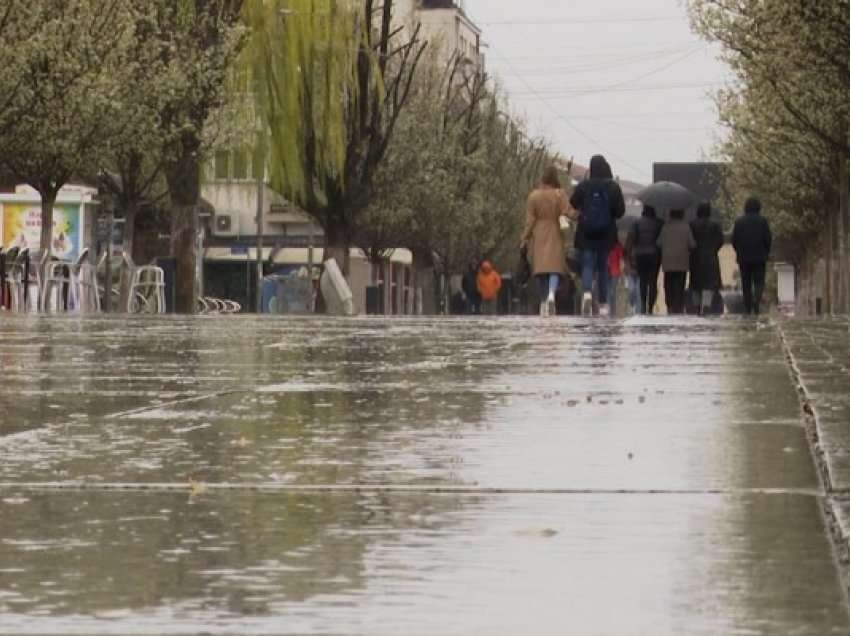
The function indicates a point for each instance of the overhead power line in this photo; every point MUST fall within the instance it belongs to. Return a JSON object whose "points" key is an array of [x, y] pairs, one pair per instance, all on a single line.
{"points": [[579, 66], [579, 21], [559, 117]]}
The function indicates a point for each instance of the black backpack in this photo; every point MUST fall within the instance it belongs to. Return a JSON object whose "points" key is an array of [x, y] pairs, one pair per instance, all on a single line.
{"points": [[596, 210]]}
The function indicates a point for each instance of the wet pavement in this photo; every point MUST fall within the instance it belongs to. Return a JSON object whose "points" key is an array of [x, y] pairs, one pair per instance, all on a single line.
{"points": [[370, 476], [820, 353]]}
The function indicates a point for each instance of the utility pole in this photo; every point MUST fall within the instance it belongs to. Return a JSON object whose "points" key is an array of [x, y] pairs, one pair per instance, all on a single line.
{"points": [[260, 174]]}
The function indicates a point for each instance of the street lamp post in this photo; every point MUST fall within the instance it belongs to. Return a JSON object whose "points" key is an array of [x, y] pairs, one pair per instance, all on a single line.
{"points": [[260, 170]]}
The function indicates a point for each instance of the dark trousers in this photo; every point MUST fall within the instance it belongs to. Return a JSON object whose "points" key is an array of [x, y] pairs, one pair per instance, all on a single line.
{"points": [[674, 291], [752, 279], [647, 269]]}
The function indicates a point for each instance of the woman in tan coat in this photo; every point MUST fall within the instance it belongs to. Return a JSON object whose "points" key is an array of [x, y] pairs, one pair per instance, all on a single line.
{"points": [[542, 235]]}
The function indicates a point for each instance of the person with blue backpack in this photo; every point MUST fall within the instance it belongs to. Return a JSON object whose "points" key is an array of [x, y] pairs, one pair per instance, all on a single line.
{"points": [[600, 203]]}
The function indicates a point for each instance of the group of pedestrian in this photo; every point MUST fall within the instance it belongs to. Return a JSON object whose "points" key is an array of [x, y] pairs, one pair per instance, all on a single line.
{"points": [[676, 247]]}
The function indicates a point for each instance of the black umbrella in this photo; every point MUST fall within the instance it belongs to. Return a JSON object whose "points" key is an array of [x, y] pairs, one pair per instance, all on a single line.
{"points": [[666, 195]]}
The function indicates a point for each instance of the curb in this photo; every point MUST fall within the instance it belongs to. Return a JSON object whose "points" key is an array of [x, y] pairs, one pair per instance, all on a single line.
{"points": [[837, 526]]}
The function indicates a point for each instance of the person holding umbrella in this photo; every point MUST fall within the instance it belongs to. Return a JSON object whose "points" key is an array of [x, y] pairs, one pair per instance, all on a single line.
{"points": [[676, 241], [645, 257], [600, 203], [705, 264]]}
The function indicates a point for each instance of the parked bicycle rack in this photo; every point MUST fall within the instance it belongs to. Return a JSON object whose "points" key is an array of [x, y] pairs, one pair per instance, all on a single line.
{"points": [[209, 305]]}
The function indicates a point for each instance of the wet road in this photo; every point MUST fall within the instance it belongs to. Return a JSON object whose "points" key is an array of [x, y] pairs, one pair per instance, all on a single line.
{"points": [[242, 476]]}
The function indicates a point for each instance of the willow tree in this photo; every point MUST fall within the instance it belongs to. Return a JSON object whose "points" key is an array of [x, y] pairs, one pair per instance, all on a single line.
{"points": [[331, 78]]}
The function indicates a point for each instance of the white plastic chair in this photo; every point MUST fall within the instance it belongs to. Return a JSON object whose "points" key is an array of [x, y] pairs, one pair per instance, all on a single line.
{"points": [[147, 291]]}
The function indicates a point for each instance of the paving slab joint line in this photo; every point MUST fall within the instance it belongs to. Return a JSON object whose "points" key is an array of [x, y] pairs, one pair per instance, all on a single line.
{"points": [[198, 487], [839, 540]]}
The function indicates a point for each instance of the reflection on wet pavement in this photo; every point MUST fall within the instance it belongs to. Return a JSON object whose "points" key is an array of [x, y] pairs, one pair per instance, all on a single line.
{"points": [[656, 467]]}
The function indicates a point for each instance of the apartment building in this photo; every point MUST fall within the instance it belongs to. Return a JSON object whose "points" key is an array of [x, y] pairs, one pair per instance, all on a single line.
{"points": [[447, 27]]}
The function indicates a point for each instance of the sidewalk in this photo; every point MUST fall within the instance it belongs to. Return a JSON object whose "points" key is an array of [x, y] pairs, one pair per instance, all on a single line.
{"points": [[394, 476], [820, 351]]}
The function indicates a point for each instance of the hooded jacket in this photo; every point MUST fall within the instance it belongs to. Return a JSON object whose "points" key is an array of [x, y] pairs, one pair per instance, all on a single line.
{"points": [[600, 176], [751, 238], [489, 282]]}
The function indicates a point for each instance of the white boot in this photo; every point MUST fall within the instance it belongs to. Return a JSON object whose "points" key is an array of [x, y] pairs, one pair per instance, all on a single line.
{"points": [[544, 309], [587, 304], [604, 312], [550, 305]]}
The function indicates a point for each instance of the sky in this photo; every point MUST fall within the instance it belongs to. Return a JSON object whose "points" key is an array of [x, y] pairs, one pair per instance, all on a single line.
{"points": [[624, 78]]}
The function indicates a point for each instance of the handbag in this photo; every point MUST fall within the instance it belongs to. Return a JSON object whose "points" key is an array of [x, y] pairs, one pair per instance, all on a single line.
{"points": [[524, 270]]}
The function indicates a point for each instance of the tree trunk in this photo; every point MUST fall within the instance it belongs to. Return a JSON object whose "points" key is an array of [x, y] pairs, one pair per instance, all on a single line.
{"points": [[127, 245], [129, 228], [184, 232], [184, 183], [338, 245], [48, 200], [423, 273], [841, 231], [827, 263]]}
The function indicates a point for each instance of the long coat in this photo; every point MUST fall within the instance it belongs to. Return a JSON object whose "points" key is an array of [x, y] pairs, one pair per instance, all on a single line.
{"points": [[705, 265], [543, 230], [676, 242]]}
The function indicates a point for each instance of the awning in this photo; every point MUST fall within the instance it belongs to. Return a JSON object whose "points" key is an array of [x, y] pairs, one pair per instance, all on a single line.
{"points": [[289, 255]]}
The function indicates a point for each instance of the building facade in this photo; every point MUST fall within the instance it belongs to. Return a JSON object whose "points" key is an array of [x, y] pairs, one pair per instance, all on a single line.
{"points": [[448, 29]]}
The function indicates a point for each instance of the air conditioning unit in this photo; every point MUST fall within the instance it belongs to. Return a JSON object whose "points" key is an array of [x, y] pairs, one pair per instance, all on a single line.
{"points": [[226, 224]]}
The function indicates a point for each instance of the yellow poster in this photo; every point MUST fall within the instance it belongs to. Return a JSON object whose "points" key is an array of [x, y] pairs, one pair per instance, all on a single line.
{"points": [[22, 228]]}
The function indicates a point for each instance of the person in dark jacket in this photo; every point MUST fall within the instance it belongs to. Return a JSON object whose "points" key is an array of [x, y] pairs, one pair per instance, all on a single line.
{"points": [[705, 264], [469, 285], [597, 229], [752, 241], [644, 256], [676, 242]]}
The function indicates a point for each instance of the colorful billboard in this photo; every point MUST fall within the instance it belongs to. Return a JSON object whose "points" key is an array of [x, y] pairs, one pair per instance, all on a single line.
{"points": [[22, 228]]}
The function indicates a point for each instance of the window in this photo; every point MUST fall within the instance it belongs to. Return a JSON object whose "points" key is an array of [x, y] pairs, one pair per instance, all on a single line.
{"points": [[257, 164], [240, 164], [222, 165]]}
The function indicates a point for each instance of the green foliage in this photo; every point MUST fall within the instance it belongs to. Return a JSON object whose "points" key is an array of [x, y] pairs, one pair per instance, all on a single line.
{"points": [[331, 78], [789, 108], [457, 173], [64, 85], [301, 56]]}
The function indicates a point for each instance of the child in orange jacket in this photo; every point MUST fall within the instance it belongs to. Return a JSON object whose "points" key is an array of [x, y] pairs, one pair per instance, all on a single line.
{"points": [[489, 283]]}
